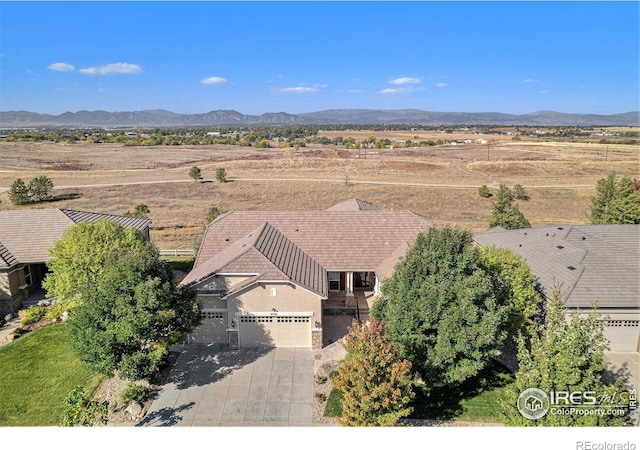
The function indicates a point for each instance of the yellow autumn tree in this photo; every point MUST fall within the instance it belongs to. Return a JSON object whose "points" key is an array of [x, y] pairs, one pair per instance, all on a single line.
{"points": [[375, 383]]}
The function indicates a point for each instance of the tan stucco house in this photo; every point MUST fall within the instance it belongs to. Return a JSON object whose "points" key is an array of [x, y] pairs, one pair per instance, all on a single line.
{"points": [[268, 278], [26, 235], [588, 263]]}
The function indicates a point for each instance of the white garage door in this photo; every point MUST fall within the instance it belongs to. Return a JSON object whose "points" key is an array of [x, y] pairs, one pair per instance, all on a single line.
{"points": [[622, 335], [212, 330], [283, 330]]}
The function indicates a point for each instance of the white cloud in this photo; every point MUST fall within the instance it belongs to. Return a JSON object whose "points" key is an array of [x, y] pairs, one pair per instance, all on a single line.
{"points": [[320, 85], [112, 69], [299, 89], [214, 80], [544, 92], [61, 67], [389, 91], [405, 80], [530, 80], [441, 85]]}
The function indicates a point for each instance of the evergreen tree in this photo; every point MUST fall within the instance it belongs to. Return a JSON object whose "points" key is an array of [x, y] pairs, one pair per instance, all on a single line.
{"points": [[615, 202], [506, 213]]}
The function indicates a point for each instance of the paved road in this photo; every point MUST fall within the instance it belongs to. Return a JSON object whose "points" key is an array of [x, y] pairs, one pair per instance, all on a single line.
{"points": [[247, 387]]}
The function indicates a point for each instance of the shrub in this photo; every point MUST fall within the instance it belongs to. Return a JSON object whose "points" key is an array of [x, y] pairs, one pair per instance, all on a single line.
{"points": [[134, 393], [32, 314], [221, 175], [82, 411], [520, 193], [484, 191], [321, 380]]}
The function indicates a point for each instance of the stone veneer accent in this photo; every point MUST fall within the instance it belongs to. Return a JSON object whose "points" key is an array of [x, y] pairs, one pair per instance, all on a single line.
{"points": [[234, 342], [316, 338]]}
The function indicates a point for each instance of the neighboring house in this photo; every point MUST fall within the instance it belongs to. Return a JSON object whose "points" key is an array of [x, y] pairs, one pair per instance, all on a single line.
{"points": [[589, 263], [267, 278], [26, 235]]}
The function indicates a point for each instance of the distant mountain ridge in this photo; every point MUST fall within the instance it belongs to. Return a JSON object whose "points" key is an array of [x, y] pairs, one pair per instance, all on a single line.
{"points": [[163, 118]]}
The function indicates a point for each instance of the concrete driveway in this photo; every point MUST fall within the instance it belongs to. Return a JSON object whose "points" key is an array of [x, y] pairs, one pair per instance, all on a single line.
{"points": [[246, 387]]}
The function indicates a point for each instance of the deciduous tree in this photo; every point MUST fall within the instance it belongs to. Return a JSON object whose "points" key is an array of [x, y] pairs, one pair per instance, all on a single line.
{"points": [[374, 381], [442, 308], [517, 287], [563, 356], [130, 308]]}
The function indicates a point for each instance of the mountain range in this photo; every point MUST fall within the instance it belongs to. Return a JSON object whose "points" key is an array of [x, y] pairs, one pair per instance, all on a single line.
{"points": [[163, 118]]}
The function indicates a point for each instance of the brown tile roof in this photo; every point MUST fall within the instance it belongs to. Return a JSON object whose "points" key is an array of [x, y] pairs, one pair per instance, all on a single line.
{"points": [[590, 262], [269, 254], [336, 240], [353, 204], [26, 235]]}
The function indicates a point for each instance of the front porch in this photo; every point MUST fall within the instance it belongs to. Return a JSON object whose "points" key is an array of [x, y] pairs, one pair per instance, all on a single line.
{"points": [[339, 310]]}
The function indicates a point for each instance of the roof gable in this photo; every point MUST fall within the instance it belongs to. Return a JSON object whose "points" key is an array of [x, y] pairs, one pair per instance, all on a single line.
{"points": [[268, 253], [353, 204]]}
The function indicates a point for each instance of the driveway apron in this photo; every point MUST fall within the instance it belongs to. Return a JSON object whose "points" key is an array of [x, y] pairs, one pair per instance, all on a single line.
{"points": [[246, 387]]}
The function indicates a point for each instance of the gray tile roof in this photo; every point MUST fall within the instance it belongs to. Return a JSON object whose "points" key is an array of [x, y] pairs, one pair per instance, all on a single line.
{"points": [[589, 262], [26, 235], [270, 255]]}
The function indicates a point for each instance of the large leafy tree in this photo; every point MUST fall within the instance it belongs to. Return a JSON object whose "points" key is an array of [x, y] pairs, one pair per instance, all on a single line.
{"points": [[374, 381], [563, 355], [517, 287], [129, 306], [442, 308], [505, 213], [616, 201]]}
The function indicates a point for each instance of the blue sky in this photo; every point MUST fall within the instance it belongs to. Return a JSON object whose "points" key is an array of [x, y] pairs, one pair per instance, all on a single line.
{"points": [[256, 57]]}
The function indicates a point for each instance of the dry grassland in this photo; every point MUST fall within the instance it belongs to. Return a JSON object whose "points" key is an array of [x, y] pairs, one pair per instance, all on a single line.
{"points": [[440, 183]]}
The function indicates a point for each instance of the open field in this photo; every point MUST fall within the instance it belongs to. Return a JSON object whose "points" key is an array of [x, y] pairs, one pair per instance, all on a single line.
{"points": [[438, 182]]}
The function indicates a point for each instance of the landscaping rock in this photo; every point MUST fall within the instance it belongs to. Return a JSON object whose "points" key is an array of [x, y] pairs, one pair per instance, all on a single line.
{"points": [[134, 410]]}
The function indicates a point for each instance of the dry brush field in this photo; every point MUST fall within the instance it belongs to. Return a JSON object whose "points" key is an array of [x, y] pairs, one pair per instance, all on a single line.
{"points": [[439, 182]]}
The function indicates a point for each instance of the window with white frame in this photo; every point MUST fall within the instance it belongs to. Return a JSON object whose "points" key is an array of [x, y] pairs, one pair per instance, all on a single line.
{"points": [[334, 281]]}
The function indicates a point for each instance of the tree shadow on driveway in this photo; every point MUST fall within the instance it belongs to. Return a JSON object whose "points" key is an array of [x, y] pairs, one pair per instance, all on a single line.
{"points": [[165, 417], [200, 365]]}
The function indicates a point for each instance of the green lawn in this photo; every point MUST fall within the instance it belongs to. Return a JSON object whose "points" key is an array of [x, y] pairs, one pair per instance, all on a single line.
{"points": [[476, 400], [183, 263], [38, 371]]}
